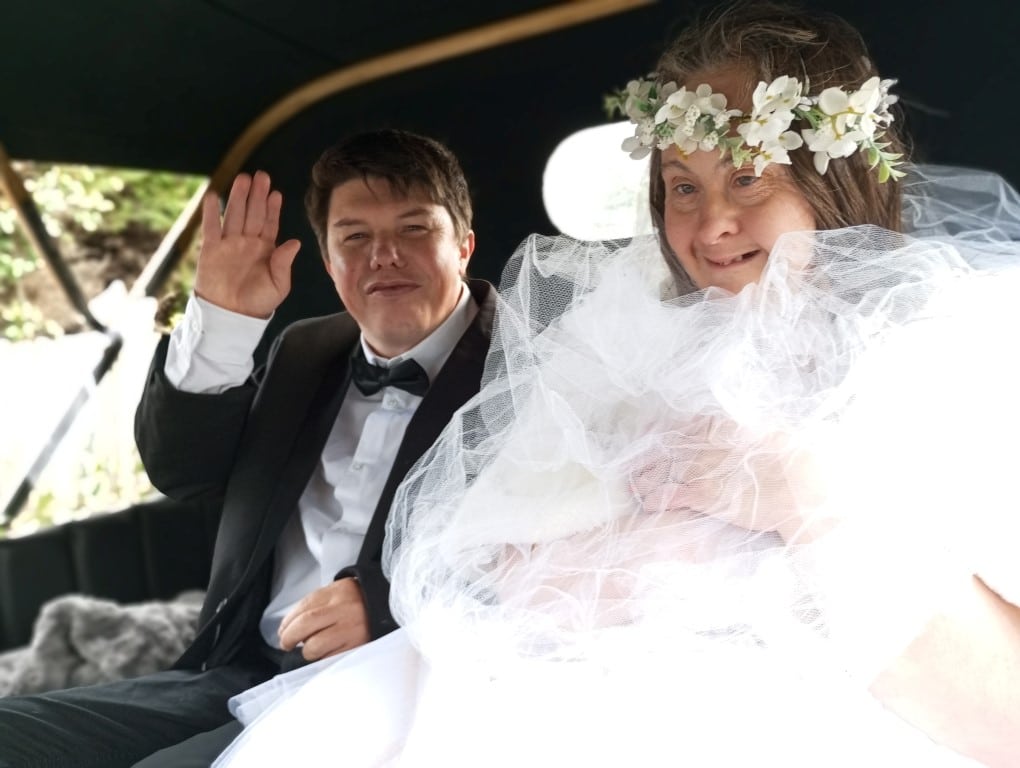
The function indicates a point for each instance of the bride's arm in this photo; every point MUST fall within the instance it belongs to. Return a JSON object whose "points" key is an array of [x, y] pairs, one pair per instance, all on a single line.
{"points": [[597, 566], [768, 485], [959, 680]]}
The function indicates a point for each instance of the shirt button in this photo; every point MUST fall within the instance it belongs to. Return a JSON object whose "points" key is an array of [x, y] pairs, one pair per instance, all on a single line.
{"points": [[357, 466]]}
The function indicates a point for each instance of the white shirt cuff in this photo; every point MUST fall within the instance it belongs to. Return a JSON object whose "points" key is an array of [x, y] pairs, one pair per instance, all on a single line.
{"points": [[212, 348]]}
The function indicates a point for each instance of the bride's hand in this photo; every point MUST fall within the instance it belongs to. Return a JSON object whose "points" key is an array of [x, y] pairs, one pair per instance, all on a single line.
{"points": [[718, 469]]}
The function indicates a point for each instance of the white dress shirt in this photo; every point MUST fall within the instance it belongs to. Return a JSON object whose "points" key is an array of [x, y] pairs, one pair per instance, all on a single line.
{"points": [[211, 350]]}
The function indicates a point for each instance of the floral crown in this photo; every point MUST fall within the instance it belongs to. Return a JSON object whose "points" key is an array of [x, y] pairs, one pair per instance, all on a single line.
{"points": [[838, 122]]}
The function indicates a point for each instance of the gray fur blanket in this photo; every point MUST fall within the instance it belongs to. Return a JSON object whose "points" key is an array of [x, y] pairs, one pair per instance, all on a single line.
{"points": [[79, 640]]}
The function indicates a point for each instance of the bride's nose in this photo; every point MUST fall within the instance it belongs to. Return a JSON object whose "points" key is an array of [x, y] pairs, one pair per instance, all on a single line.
{"points": [[717, 218]]}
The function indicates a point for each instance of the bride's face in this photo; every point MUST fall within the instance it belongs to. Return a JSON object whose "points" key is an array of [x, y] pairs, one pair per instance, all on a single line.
{"points": [[721, 221]]}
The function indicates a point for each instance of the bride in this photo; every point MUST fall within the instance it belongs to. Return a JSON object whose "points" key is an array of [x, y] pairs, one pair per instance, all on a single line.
{"points": [[741, 492]]}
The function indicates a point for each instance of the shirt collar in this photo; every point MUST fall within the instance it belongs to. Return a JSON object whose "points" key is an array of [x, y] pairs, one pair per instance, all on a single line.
{"points": [[431, 352]]}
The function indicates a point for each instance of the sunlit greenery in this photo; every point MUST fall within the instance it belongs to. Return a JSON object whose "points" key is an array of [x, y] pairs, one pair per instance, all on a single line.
{"points": [[106, 224], [76, 201]]}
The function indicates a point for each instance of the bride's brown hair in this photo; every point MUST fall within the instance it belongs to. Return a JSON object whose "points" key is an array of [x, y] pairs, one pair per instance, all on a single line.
{"points": [[766, 40]]}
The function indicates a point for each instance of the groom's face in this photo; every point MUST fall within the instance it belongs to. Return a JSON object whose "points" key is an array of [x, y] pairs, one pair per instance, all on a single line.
{"points": [[396, 261]]}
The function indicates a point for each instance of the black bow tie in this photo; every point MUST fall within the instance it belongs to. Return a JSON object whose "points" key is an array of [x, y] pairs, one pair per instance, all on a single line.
{"points": [[370, 378]]}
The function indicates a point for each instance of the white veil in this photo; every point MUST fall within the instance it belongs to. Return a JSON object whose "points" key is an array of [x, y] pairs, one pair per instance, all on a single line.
{"points": [[615, 490]]}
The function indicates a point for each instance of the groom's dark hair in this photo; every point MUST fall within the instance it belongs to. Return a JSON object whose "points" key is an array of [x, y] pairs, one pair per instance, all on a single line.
{"points": [[403, 159]]}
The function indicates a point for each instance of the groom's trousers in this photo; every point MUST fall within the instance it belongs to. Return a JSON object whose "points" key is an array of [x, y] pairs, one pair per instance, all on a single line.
{"points": [[115, 725]]}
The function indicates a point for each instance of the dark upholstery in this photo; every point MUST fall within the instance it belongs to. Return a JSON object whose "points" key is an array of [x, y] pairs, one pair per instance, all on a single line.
{"points": [[153, 550], [32, 570]]}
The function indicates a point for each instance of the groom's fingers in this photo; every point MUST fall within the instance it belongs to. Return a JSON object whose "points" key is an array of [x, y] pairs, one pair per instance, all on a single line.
{"points": [[339, 637], [271, 224], [237, 204], [255, 211], [327, 621], [211, 225]]}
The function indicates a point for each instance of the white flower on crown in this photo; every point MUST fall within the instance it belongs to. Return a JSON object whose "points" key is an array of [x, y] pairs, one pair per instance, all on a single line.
{"points": [[773, 112], [639, 101], [777, 151], [839, 122], [697, 115]]}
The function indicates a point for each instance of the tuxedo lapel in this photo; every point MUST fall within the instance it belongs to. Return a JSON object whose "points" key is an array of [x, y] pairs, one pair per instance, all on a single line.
{"points": [[307, 450], [302, 393]]}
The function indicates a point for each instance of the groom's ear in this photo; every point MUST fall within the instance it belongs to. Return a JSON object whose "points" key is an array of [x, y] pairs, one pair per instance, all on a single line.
{"points": [[467, 248]]}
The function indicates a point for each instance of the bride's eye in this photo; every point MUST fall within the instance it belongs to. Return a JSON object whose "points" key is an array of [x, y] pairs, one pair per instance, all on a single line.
{"points": [[746, 180], [684, 188]]}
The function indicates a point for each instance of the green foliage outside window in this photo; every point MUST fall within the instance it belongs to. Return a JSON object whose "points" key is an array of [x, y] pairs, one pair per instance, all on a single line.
{"points": [[106, 223], [80, 206]]}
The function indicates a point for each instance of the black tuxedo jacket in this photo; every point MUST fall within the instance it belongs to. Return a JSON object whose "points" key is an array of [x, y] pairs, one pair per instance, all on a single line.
{"points": [[255, 447]]}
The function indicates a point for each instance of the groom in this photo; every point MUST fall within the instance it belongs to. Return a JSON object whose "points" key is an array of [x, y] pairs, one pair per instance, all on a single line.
{"points": [[305, 453]]}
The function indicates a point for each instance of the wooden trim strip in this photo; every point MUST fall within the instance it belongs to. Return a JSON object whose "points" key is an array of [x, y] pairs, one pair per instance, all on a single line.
{"points": [[488, 36], [10, 180]]}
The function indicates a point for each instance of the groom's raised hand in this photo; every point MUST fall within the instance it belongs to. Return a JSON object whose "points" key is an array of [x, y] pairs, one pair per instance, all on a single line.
{"points": [[240, 266]]}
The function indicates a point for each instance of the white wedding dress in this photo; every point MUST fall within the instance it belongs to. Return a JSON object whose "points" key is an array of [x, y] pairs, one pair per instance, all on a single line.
{"points": [[586, 565]]}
